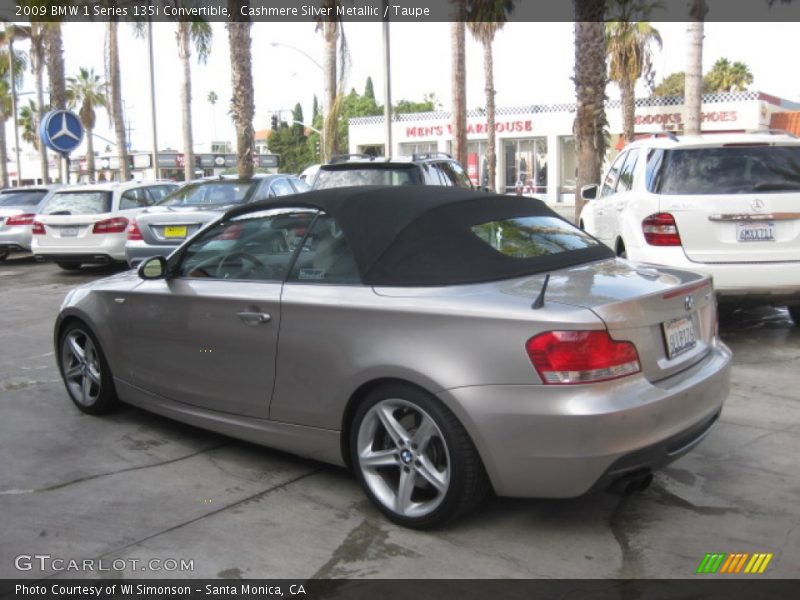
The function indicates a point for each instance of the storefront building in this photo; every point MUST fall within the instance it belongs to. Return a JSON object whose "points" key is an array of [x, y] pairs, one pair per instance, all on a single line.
{"points": [[535, 146]]}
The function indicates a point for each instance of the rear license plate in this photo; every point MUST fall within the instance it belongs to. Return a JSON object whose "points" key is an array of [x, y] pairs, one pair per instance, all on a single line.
{"points": [[175, 231], [680, 336], [755, 232], [69, 232]]}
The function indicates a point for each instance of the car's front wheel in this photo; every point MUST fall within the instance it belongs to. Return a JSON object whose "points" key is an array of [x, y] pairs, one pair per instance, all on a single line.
{"points": [[85, 371], [414, 459]]}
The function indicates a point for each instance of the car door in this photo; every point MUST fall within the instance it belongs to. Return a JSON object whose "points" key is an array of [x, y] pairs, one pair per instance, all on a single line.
{"points": [[621, 199], [207, 335], [602, 206]]}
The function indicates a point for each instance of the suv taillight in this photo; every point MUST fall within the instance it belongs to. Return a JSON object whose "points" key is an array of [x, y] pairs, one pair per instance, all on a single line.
{"points": [[660, 230], [572, 357], [134, 233], [38, 228], [26, 219], [115, 225]]}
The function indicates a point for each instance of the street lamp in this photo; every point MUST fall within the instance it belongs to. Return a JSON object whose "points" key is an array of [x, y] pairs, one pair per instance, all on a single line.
{"points": [[296, 49]]}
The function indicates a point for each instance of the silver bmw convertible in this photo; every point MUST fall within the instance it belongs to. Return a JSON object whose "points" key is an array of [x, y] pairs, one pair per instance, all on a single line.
{"points": [[439, 342]]}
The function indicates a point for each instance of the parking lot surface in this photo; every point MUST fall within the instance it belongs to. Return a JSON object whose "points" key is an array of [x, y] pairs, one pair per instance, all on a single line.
{"points": [[136, 488]]}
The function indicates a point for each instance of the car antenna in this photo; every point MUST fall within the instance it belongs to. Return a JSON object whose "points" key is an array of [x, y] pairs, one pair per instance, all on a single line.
{"points": [[539, 302]]}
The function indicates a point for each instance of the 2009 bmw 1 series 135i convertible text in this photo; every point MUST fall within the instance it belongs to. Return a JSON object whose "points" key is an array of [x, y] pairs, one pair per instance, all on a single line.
{"points": [[440, 342]]}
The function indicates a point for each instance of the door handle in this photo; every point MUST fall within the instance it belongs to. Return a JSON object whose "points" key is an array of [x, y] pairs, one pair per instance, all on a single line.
{"points": [[254, 318]]}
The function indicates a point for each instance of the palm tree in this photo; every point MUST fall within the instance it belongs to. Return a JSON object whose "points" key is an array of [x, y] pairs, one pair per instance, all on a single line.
{"points": [[37, 35], [486, 18], [242, 105], [334, 71], [590, 92], [28, 121], [7, 103], [725, 76], [199, 34], [54, 47], [459, 81], [88, 91], [694, 66], [212, 100], [628, 50], [114, 101]]}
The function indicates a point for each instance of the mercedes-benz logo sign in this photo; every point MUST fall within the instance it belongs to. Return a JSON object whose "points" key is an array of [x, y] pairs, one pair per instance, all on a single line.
{"points": [[688, 303], [757, 205], [64, 131]]}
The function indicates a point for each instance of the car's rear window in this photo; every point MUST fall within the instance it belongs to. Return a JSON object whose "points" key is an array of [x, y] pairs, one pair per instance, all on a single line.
{"points": [[377, 175], [529, 237], [216, 193], [31, 198], [734, 169], [78, 203]]}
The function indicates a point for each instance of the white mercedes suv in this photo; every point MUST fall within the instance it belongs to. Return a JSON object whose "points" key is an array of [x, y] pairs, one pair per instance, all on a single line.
{"points": [[723, 204]]}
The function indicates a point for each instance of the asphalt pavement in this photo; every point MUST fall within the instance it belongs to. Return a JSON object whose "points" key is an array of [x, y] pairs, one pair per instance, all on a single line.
{"points": [[137, 487]]}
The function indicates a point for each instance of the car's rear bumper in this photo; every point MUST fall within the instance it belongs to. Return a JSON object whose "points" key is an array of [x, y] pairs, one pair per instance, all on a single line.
{"points": [[561, 441], [112, 248], [16, 239], [139, 251]]}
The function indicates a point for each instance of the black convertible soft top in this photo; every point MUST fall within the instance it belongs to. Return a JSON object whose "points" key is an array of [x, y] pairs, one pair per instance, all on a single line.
{"points": [[421, 235]]}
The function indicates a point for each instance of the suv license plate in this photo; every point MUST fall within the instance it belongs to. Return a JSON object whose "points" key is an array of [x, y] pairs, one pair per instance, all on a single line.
{"points": [[69, 232], [680, 336], [755, 232], [175, 231]]}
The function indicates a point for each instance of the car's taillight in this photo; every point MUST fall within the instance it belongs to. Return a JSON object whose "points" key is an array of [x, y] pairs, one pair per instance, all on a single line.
{"points": [[660, 230], [115, 225], [26, 219], [570, 357], [133, 232], [38, 228]]}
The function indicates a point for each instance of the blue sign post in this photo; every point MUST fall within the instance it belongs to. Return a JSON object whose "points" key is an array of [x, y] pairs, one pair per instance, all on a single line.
{"points": [[62, 132]]}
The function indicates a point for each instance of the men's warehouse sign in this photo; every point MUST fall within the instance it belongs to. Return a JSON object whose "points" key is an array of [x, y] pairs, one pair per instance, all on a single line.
{"points": [[440, 130]]}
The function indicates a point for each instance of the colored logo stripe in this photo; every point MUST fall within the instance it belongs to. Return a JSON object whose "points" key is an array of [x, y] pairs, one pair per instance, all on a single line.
{"points": [[733, 563]]}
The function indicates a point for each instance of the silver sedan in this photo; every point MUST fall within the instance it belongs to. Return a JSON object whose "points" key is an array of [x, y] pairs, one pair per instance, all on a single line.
{"points": [[18, 207], [440, 342]]}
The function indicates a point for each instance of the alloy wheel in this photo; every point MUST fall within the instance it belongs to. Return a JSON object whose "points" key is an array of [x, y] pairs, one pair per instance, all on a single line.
{"points": [[80, 364]]}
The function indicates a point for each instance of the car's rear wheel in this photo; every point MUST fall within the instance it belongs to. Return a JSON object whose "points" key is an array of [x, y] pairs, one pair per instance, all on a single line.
{"points": [[414, 459], [794, 312], [69, 266], [85, 371]]}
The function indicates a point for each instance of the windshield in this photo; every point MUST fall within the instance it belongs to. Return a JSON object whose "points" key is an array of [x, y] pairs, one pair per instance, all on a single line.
{"points": [[78, 203], [210, 193], [31, 198], [739, 169], [377, 175]]}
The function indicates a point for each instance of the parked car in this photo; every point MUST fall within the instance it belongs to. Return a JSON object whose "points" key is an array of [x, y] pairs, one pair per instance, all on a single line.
{"points": [[88, 223], [431, 168], [162, 228], [727, 205], [17, 209], [440, 344]]}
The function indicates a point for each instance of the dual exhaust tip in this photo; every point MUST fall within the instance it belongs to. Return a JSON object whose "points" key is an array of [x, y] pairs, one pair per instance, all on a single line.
{"points": [[628, 484]]}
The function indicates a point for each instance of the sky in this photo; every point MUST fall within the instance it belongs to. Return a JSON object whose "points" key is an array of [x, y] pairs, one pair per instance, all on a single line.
{"points": [[533, 65]]}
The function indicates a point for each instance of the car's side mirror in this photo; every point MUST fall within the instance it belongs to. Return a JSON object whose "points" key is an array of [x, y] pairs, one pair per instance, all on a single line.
{"points": [[589, 192], [153, 268]]}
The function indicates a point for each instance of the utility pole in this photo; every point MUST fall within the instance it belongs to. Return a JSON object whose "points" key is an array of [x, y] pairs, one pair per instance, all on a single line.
{"points": [[387, 86]]}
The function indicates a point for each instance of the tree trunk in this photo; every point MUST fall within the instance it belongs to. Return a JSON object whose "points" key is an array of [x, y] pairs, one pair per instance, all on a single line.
{"points": [[459, 91], [90, 156], [590, 86], [116, 101], [185, 53], [242, 107], [628, 108], [3, 155], [491, 154], [330, 32], [694, 67], [37, 65], [54, 47]]}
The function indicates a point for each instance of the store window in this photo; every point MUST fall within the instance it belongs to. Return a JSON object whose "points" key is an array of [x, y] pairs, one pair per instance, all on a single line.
{"points": [[477, 166], [526, 166], [411, 148], [568, 174]]}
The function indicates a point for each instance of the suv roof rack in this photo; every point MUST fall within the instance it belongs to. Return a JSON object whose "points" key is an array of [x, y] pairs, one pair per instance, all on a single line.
{"points": [[426, 155], [670, 134], [345, 157], [772, 132]]}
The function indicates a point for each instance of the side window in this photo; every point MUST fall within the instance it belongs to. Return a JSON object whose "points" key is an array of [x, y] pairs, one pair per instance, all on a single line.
{"points": [[325, 256], [437, 176], [625, 181], [280, 187], [157, 192], [653, 170], [253, 247], [135, 198], [455, 174], [300, 185], [610, 182]]}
